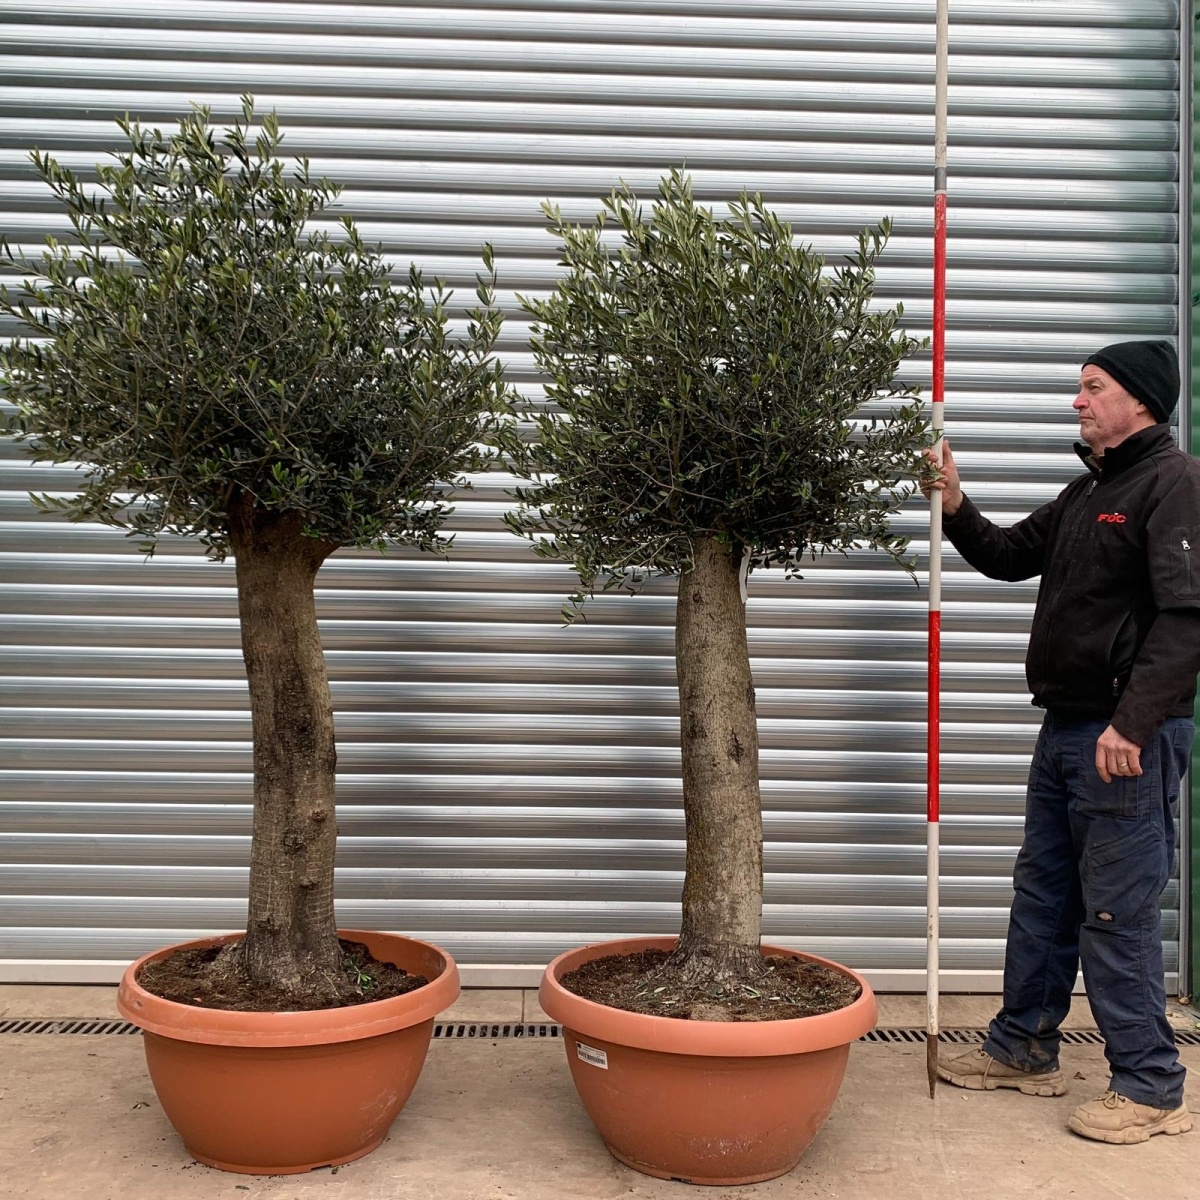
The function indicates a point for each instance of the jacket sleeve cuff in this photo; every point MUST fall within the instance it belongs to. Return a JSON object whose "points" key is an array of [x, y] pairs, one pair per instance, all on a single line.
{"points": [[1139, 732], [965, 515], [966, 525]]}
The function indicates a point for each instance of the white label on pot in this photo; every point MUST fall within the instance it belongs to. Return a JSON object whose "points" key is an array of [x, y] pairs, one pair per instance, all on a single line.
{"points": [[589, 1054]]}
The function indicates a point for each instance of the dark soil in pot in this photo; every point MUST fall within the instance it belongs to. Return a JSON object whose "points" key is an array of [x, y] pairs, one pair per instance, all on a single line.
{"points": [[186, 977], [788, 988]]}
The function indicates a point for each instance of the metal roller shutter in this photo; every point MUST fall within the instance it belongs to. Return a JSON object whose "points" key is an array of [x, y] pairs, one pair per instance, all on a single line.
{"points": [[509, 788]]}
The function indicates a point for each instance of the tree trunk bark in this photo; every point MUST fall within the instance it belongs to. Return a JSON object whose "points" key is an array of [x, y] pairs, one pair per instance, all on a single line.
{"points": [[291, 936], [722, 890]]}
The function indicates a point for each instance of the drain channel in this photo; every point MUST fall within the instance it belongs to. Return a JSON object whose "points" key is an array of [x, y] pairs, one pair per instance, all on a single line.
{"points": [[452, 1031], [969, 1037], [66, 1025], [448, 1032]]}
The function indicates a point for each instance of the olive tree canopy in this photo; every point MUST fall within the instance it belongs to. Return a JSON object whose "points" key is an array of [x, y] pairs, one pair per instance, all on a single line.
{"points": [[211, 341], [719, 380]]}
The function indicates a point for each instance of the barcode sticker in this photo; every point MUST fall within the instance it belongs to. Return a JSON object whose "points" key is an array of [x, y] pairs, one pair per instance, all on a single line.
{"points": [[589, 1054]]}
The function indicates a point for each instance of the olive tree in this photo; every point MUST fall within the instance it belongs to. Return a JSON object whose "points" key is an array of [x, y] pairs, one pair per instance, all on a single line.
{"points": [[224, 366], [720, 399]]}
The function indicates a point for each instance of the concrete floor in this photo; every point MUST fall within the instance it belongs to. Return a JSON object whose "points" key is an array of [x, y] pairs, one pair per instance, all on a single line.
{"points": [[500, 1121]]}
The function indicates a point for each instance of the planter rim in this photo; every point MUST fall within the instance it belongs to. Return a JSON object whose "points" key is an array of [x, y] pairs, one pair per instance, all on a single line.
{"points": [[223, 1027], [673, 1035]]}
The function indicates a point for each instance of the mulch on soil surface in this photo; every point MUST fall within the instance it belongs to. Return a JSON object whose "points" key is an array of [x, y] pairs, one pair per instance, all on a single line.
{"points": [[187, 978], [791, 987]]}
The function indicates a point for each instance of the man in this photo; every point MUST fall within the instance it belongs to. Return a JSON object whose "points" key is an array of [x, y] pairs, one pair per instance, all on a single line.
{"points": [[1113, 657]]}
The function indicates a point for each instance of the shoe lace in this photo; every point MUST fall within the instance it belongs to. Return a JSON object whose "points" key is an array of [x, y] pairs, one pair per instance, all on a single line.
{"points": [[1112, 1099]]}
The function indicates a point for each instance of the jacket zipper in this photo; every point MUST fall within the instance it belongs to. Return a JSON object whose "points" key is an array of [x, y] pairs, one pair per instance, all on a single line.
{"points": [[1126, 623]]}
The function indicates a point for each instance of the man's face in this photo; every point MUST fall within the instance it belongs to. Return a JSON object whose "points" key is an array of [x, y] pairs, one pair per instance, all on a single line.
{"points": [[1107, 413]]}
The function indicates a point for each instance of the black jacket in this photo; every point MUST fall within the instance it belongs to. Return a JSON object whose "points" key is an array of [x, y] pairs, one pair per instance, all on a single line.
{"points": [[1116, 630]]}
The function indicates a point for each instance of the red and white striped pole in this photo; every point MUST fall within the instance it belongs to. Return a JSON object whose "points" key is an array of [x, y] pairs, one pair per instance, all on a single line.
{"points": [[933, 805]]}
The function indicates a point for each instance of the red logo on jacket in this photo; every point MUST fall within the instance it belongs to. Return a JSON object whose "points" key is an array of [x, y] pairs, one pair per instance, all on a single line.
{"points": [[1112, 518]]}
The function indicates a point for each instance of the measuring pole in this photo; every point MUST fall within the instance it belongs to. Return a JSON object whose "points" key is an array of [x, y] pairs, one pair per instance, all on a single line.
{"points": [[933, 805]]}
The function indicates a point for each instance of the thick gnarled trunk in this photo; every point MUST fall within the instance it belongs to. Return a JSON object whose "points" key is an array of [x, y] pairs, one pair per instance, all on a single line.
{"points": [[722, 891], [291, 936]]}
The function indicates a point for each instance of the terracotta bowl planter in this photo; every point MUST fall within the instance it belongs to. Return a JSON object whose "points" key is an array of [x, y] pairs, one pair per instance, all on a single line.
{"points": [[703, 1101], [280, 1093]]}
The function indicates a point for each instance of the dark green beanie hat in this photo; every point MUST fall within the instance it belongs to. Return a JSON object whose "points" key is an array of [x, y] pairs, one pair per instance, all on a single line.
{"points": [[1148, 371]]}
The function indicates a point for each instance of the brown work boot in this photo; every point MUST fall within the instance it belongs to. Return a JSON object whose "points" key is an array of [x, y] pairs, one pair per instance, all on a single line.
{"points": [[1115, 1118], [980, 1072]]}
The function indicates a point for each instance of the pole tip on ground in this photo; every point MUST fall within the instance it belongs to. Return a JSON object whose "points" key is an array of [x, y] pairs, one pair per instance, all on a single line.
{"points": [[931, 1058]]}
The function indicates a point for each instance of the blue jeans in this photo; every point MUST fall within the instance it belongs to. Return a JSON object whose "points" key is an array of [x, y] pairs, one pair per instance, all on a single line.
{"points": [[1094, 862]]}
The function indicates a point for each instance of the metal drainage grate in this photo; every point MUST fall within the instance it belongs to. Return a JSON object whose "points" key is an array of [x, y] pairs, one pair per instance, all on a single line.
{"points": [[894, 1035], [1089, 1037], [969, 1037], [456, 1031], [444, 1030], [448, 1032], [67, 1025]]}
